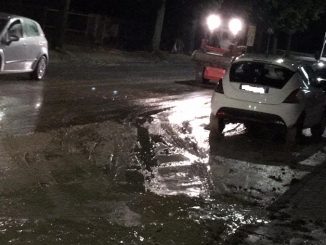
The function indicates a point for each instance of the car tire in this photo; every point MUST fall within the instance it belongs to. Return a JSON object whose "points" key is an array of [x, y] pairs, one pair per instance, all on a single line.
{"points": [[216, 126], [318, 130], [40, 69], [293, 134]]}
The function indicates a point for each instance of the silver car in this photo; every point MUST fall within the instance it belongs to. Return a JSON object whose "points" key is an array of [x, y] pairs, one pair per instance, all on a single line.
{"points": [[23, 46]]}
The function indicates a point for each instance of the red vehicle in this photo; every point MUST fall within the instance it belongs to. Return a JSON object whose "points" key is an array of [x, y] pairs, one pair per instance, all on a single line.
{"points": [[219, 49], [212, 62]]}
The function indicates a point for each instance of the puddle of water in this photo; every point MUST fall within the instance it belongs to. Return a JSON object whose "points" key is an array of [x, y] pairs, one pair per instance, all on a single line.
{"points": [[256, 183], [234, 177], [181, 146]]}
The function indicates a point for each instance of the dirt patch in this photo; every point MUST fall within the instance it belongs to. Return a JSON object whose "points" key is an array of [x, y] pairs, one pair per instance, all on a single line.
{"points": [[66, 155]]}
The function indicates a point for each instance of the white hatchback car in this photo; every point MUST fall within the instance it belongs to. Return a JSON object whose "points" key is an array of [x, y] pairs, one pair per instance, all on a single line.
{"points": [[23, 46], [269, 90]]}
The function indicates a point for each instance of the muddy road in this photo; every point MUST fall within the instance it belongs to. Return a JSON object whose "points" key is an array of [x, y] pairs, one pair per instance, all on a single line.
{"points": [[121, 154]]}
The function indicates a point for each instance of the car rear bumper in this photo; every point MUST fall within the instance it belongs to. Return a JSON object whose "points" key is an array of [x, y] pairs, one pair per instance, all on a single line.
{"points": [[237, 110], [234, 114]]}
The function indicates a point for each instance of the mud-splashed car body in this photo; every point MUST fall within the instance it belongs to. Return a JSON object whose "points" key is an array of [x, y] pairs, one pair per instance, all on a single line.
{"points": [[270, 90], [23, 46]]}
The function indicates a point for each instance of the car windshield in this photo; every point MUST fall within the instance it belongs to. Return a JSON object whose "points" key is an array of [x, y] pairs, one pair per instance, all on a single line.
{"points": [[259, 73], [3, 23]]}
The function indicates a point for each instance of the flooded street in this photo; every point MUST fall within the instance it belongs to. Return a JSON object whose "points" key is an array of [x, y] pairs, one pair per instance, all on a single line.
{"points": [[122, 154]]}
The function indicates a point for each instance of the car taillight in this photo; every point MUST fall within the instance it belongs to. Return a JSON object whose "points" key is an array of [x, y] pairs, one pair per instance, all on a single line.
{"points": [[219, 87], [293, 98]]}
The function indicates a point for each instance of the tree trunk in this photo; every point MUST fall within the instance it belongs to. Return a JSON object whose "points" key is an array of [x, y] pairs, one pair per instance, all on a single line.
{"points": [[288, 46], [275, 43], [158, 27], [193, 35], [63, 24], [258, 46]]}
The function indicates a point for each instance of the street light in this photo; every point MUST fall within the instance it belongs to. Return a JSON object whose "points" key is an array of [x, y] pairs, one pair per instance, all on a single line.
{"points": [[235, 25], [213, 22]]}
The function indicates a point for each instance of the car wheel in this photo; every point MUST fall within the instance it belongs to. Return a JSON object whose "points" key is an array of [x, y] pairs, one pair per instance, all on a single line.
{"points": [[318, 130], [293, 134], [40, 69], [216, 126]]}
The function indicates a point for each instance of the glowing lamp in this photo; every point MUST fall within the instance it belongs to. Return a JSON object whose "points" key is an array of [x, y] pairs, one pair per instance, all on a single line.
{"points": [[235, 26], [213, 22]]}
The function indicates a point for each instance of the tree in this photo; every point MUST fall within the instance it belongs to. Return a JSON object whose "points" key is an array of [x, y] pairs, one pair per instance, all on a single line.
{"points": [[63, 24], [158, 27], [287, 16], [198, 9]]}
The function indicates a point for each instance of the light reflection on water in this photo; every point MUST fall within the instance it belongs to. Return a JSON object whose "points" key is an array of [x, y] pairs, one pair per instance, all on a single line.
{"points": [[234, 216], [12, 108], [194, 111], [2, 114], [181, 128], [177, 179]]}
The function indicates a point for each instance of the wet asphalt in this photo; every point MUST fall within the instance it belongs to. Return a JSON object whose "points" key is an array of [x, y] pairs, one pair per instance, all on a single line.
{"points": [[122, 154]]}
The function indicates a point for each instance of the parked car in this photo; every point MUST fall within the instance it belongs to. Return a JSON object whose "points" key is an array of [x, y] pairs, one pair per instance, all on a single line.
{"points": [[319, 69], [269, 90], [23, 46]]}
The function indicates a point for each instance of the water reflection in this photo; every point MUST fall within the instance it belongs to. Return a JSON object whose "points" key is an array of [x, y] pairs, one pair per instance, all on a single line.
{"points": [[2, 114], [38, 105], [180, 149], [20, 105], [256, 183], [234, 176]]}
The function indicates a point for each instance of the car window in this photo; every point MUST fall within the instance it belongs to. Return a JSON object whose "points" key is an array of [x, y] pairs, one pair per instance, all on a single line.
{"points": [[16, 29], [31, 28], [260, 73], [3, 23]]}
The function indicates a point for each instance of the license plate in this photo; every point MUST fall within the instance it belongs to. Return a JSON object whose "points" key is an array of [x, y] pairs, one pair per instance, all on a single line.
{"points": [[254, 89]]}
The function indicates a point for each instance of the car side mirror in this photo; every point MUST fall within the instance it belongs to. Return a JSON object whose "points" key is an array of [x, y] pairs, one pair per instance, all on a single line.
{"points": [[13, 38], [7, 39]]}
